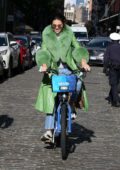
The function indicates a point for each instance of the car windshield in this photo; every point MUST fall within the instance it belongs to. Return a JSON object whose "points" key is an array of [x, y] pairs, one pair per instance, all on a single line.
{"points": [[3, 41], [37, 39], [84, 43], [22, 39], [80, 34], [98, 43]]}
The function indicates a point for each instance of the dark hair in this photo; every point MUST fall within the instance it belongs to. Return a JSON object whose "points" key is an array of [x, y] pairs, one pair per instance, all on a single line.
{"points": [[60, 17]]}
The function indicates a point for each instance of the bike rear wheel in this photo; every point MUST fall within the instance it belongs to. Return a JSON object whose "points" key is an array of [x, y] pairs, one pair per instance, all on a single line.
{"points": [[63, 130]]}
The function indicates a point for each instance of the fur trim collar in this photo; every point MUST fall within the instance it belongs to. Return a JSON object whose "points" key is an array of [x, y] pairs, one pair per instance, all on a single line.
{"points": [[58, 48]]}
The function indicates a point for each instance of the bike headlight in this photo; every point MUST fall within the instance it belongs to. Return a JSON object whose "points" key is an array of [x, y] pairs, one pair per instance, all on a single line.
{"points": [[3, 52], [64, 87]]}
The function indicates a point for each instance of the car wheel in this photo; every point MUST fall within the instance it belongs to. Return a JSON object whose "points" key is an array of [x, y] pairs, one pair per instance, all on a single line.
{"points": [[30, 63], [119, 87], [10, 71], [20, 66], [23, 66], [2, 73]]}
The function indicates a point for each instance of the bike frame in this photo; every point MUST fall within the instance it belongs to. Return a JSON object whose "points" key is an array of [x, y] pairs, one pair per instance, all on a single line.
{"points": [[58, 116], [63, 85]]}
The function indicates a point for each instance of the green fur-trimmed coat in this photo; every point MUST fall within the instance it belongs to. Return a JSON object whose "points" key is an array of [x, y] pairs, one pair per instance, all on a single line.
{"points": [[65, 48]]}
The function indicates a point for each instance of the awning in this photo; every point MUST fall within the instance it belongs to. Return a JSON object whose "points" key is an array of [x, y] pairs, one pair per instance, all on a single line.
{"points": [[107, 18]]}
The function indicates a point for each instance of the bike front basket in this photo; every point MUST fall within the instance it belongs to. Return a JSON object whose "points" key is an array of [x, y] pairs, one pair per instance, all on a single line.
{"points": [[64, 83]]}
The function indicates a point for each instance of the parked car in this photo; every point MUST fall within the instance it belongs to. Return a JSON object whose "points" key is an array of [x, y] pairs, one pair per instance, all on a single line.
{"points": [[35, 33], [23, 54], [96, 48], [37, 39], [79, 31], [35, 45], [10, 52], [84, 42], [27, 43]]}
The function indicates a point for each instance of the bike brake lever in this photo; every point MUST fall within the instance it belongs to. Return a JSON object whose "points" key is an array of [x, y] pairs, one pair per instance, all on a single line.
{"points": [[49, 70]]}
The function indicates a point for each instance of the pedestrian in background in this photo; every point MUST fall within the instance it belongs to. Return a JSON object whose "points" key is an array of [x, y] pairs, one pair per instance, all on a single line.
{"points": [[112, 62]]}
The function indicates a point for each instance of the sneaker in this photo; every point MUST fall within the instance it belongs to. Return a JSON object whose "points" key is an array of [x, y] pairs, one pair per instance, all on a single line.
{"points": [[47, 137], [73, 116]]}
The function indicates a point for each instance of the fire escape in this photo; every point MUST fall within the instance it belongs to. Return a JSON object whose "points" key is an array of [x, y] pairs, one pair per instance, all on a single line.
{"points": [[110, 19]]}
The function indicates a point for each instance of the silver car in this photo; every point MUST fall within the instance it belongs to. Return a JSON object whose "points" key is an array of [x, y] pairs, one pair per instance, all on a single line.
{"points": [[96, 48], [10, 52]]}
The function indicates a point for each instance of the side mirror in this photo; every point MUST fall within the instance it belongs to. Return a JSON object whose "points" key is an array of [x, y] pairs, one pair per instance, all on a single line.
{"points": [[13, 43]]}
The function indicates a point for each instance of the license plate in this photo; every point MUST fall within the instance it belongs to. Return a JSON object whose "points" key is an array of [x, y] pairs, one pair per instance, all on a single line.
{"points": [[64, 88], [93, 57]]}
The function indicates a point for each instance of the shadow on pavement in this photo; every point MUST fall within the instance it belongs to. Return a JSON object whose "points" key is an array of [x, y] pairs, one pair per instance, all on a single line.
{"points": [[5, 121], [82, 133], [79, 135]]}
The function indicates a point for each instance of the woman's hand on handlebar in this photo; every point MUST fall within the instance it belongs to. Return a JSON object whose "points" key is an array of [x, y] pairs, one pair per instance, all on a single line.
{"points": [[43, 68], [85, 65]]}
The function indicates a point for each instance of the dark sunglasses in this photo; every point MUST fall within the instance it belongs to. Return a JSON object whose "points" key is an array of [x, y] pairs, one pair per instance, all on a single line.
{"points": [[57, 26]]}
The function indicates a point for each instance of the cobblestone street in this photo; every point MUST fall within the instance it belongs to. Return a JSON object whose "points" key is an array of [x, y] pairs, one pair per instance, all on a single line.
{"points": [[95, 142]]}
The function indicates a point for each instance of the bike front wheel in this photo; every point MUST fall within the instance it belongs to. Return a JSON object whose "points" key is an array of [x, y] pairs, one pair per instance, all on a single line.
{"points": [[63, 130]]}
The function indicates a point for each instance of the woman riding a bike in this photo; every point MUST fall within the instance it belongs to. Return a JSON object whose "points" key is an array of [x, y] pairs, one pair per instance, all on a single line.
{"points": [[60, 51]]}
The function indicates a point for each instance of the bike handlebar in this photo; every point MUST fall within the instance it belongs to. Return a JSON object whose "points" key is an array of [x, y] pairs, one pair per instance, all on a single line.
{"points": [[81, 72], [49, 70]]}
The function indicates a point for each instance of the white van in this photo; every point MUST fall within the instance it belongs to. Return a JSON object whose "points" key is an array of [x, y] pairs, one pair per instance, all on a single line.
{"points": [[80, 32]]}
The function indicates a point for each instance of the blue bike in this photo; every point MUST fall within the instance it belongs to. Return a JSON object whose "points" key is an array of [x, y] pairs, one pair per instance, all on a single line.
{"points": [[64, 86]]}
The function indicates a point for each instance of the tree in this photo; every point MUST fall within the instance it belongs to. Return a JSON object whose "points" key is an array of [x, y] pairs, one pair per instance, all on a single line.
{"points": [[39, 12]]}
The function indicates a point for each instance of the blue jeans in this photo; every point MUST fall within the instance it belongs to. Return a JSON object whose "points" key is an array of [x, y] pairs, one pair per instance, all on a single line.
{"points": [[49, 120]]}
